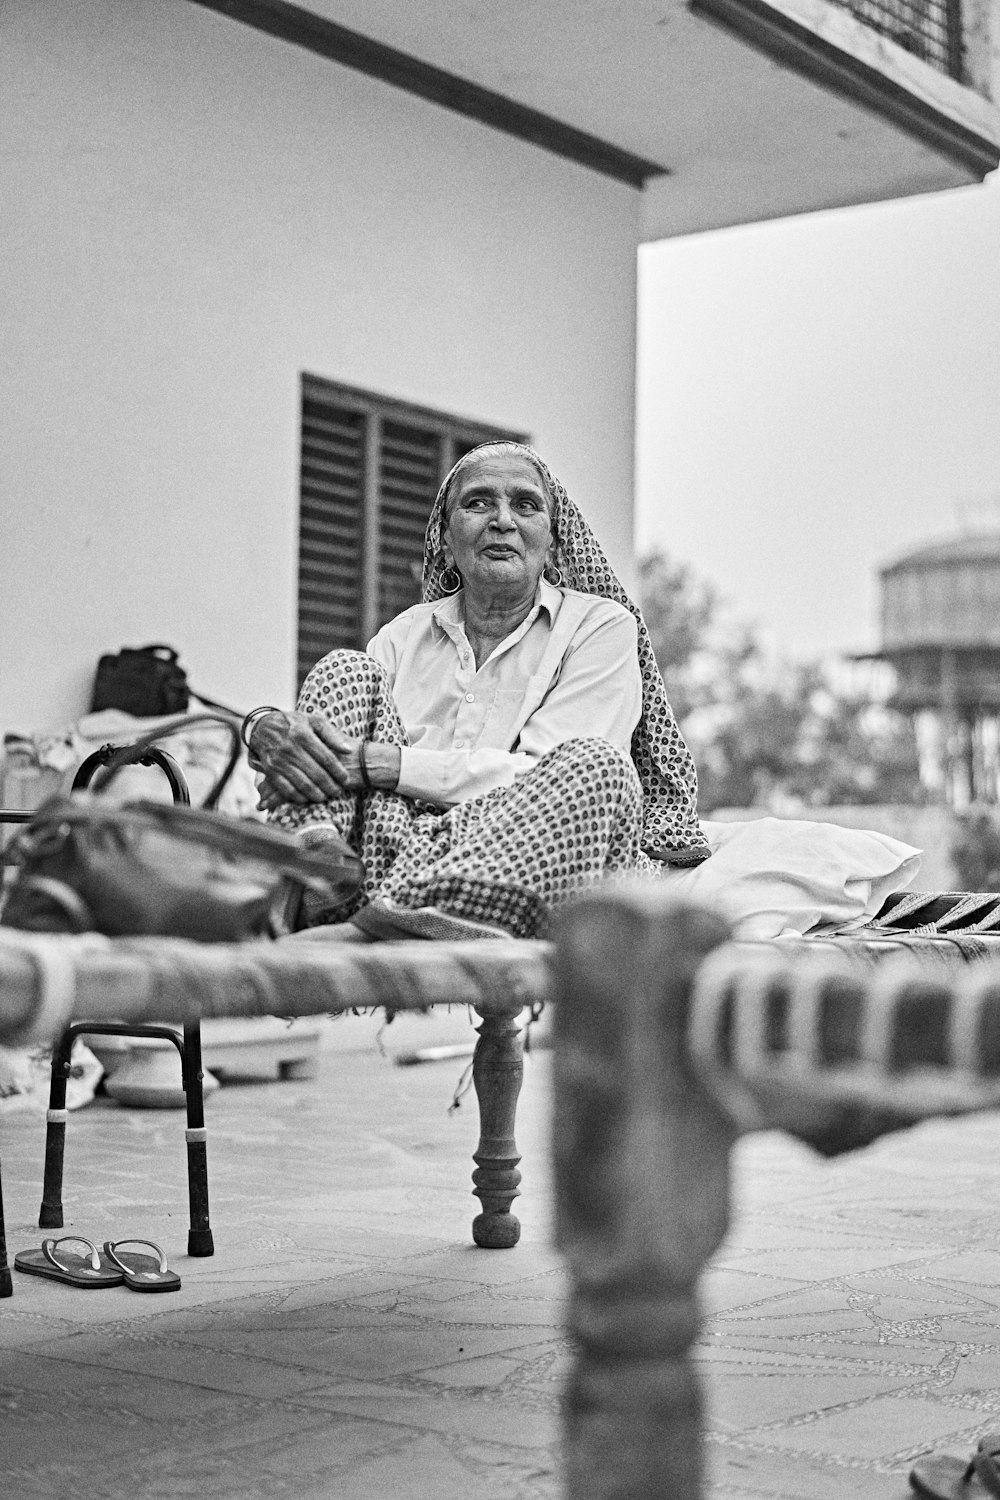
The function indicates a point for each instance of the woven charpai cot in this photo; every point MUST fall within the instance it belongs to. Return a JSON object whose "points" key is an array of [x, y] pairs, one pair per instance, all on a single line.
{"points": [[46, 981]]}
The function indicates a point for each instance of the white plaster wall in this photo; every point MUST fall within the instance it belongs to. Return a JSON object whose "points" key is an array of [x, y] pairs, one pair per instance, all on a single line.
{"points": [[192, 214]]}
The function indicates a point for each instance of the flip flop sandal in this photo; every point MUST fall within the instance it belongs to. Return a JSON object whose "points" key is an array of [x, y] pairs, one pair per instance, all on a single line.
{"points": [[142, 1273], [89, 1270], [950, 1479]]}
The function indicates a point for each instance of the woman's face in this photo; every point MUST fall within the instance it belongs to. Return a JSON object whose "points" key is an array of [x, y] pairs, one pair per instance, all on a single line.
{"points": [[498, 530]]}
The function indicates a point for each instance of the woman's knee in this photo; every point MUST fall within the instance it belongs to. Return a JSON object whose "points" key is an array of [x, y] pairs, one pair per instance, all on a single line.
{"points": [[346, 664], [353, 691], [342, 677], [590, 752], [594, 762]]}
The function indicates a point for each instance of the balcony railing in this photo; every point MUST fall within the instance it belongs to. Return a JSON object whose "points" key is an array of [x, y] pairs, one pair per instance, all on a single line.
{"points": [[930, 29]]}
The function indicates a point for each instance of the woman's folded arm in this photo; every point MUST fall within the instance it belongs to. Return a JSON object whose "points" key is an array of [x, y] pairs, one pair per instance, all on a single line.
{"points": [[446, 777]]}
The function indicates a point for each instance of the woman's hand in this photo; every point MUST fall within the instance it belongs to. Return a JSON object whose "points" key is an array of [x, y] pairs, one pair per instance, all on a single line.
{"points": [[304, 759]]}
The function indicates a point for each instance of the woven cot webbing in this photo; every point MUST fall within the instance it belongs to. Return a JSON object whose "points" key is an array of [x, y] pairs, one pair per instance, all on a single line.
{"points": [[167, 979], [896, 1037], [932, 914]]}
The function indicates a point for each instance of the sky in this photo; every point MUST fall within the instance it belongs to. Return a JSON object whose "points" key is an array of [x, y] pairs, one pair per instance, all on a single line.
{"points": [[817, 396]]}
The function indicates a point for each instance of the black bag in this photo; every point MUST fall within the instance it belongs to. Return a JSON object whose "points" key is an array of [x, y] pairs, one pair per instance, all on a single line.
{"points": [[146, 681], [86, 865]]}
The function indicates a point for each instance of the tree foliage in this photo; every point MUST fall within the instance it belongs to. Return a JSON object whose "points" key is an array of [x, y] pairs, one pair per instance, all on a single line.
{"points": [[765, 732]]}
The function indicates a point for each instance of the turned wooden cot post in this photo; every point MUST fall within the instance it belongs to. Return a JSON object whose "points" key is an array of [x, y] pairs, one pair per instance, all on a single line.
{"points": [[497, 1075], [642, 1163]]}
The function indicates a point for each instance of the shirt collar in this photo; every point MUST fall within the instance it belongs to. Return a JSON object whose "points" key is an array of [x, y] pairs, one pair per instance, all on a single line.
{"points": [[449, 611], [550, 599]]}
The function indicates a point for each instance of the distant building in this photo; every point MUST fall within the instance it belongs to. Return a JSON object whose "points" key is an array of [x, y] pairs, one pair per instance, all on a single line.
{"points": [[940, 631]]}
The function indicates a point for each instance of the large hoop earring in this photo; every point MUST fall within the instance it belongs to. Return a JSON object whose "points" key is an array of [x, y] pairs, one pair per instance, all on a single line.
{"points": [[553, 575], [445, 584]]}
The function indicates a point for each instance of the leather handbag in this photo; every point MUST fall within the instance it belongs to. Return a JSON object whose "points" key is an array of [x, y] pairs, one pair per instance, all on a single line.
{"points": [[83, 864], [146, 681]]}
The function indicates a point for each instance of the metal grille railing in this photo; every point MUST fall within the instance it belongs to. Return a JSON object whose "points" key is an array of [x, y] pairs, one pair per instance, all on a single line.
{"points": [[930, 29]]}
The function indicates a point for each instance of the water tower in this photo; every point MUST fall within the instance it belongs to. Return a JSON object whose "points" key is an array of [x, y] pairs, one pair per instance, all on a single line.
{"points": [[940, 613]]}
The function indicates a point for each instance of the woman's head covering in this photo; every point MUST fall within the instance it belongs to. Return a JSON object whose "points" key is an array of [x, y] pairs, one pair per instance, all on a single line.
{"points": [[669, 783]]}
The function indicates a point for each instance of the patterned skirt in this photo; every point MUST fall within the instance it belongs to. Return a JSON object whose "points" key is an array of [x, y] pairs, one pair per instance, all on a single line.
{"points": [[500, 862]]}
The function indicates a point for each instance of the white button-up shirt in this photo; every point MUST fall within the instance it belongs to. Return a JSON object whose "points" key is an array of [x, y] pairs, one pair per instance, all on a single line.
{"points": [[570, 669]]}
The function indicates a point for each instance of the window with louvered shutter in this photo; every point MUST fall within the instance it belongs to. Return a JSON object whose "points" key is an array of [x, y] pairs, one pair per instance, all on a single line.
{"points": [[370, 468]]}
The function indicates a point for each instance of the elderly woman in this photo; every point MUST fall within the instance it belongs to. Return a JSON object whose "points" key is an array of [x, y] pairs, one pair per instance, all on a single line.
{"points": [[499, 747]]}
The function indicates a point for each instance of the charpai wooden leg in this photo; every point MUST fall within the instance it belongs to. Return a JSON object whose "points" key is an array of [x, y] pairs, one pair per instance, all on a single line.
{"points": [[497, 1075], [641, 1156]]}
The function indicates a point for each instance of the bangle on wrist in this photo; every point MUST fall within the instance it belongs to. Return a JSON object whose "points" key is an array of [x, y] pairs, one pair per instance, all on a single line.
{"points": [[246, 728], [366, 780]]}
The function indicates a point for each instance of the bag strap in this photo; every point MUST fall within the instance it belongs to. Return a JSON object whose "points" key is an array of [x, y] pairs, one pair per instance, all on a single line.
{"points": [[212, 703], [128, 755]]}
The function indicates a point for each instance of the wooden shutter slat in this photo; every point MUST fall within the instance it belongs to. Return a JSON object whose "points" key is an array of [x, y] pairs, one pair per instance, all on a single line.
{"points": [[323, 474], [339, 529]]}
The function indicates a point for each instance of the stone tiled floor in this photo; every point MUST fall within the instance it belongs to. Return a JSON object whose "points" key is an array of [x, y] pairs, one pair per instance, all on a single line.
{"points": [[347, 1341], [853, 1314]]}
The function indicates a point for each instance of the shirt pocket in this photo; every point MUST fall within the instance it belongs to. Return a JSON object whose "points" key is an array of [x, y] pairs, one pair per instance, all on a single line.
{"points": [[510, 710]]}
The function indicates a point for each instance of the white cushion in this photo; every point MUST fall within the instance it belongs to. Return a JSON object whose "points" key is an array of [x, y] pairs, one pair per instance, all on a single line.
{"points": [[778, 877]]}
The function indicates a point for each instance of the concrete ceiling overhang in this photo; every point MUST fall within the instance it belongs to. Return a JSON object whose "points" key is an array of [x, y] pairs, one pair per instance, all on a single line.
{"points": [[723, 111]]}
